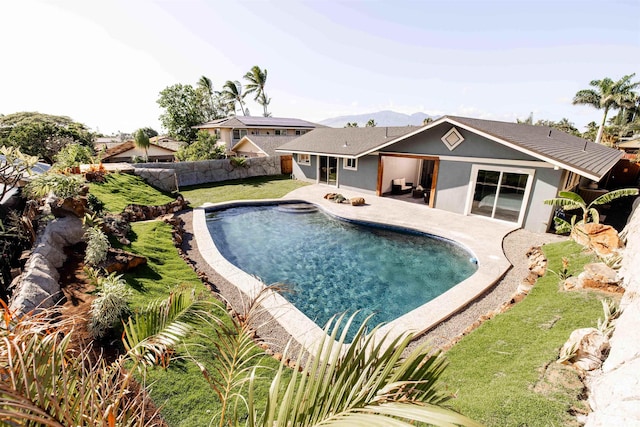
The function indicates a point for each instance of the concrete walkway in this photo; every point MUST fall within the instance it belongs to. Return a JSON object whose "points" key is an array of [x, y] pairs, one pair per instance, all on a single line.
{"points": [[481, 236]]}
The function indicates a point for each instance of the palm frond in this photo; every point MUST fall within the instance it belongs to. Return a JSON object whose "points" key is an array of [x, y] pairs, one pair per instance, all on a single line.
{"points": [[367, 382], [150, 334], [612, 195]]}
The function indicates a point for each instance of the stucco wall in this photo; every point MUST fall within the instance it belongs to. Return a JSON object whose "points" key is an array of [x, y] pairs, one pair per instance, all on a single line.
{"points": [[451, 188], [192, 173]]}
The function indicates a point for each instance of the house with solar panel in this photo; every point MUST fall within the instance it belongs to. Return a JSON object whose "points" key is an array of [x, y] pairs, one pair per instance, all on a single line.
{"points": [[231, 130], [498, 170]]}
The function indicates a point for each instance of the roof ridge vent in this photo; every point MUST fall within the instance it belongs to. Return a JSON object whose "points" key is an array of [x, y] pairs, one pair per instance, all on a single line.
{"points": [[549, 136]]}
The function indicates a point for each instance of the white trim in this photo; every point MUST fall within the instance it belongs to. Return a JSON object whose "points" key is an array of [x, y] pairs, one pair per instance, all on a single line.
{"points": [[350, 168], [487, 160], [525, 197], [300, 162], [445, 138], [247, 138]]}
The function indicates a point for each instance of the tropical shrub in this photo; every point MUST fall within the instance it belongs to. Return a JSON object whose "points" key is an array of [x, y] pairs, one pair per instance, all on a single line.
{"points": [[73, 155], [205, 147], [60, 185], [97, 246], [14, 165], [110, 307], [239, 162], [569, 201]]}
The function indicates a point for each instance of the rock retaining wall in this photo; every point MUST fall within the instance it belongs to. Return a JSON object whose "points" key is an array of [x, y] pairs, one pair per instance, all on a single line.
{"points": [[205, 171], [614, 390], [162, 179], [38, 286]]}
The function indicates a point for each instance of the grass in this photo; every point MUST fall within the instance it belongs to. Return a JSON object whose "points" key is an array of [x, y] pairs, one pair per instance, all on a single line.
{"points": [[122, 189], [504, 373], [180, 390], [262, 187]]}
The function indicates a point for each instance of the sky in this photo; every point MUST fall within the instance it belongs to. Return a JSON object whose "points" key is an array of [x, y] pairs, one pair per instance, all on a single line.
{"points": [[104, 63]]}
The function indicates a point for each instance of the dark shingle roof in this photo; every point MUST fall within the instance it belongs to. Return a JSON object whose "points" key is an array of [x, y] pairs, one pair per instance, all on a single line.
{"points": [[267, 143], [542, 142], [549, 144], [346, 142], [258, 122]]}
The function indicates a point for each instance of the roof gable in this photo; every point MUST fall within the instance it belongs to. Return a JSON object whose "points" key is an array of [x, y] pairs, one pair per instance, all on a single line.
{"points": [[267, 144]]}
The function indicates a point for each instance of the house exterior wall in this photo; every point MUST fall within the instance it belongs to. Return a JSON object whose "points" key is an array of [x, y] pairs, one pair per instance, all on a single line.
{"points": [[452, 186], [365, 178], [308, 173], [249, 150], [545, 186]]}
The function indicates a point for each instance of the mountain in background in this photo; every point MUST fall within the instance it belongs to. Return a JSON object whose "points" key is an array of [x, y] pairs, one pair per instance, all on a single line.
{"points": [[382, 118]]}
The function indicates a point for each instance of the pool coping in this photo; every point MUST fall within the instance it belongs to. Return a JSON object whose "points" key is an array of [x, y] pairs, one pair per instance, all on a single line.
{"points": [[480, 236]]}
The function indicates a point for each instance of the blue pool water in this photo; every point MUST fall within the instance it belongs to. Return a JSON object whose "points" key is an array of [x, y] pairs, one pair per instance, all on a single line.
{"points": [[333, 266]]}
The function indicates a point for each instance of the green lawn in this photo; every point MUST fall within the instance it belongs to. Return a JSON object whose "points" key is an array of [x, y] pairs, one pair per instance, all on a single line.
{"points": [[262, 187], [504, 373], [181, 390], [122, 189]]}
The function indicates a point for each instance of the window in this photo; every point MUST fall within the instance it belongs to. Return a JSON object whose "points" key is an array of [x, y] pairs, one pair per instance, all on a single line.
{"points": [[300, 132], [499, 193], [351, 164], [281, 132], [239, 133], [304, 159]]}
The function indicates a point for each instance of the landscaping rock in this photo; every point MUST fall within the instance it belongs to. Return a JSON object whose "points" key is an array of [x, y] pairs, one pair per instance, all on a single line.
{"points": [[603, 239], [357, 201], [134, 213], [599, 276], [38, 285], [70, 206], [120, 261], [590, 345]]}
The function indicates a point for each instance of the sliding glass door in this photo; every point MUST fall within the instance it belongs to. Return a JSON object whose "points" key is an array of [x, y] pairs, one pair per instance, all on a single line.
{"points": [[500, 193], [328, 173]]}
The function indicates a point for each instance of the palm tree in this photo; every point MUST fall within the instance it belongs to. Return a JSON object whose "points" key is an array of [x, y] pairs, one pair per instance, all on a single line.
{"points": [[206, 86], [608, 95], [232, 94], [141, 140], [371, 123], [257, 79]]}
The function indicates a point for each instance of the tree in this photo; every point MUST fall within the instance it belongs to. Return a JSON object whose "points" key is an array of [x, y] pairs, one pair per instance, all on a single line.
{"points": [[73, 155], [212, 105], [608, 95], [351, 125], [257, 79], [205, 147], [371, 123], [564, 125], [141, 140], [14, 165], [42, 135], [182, 110], [232, 95], [426, 121], [527, 121], [149, 131]]}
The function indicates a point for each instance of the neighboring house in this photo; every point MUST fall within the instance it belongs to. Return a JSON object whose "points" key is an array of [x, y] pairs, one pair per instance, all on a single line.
{"points": [[166, 141], [499, 170], [103, 143], [631, 147], [127, 151], [231, 130], [260, 145]]}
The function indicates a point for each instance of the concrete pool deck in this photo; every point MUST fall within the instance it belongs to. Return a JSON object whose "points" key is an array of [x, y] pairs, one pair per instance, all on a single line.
{"points": [[481, 236]]}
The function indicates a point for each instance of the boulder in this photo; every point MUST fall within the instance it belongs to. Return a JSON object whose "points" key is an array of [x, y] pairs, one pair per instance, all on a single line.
{"points": [[603, 239], [356, 201], [71, 205], [600, 276], [591, 347], [120, 261]]}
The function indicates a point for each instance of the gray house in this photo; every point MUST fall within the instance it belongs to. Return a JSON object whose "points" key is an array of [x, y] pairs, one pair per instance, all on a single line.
{"points": [[498, 170]]}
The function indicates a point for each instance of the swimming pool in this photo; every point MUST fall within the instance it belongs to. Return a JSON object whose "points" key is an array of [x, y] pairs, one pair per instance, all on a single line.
{"points": [[333, 266]]}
